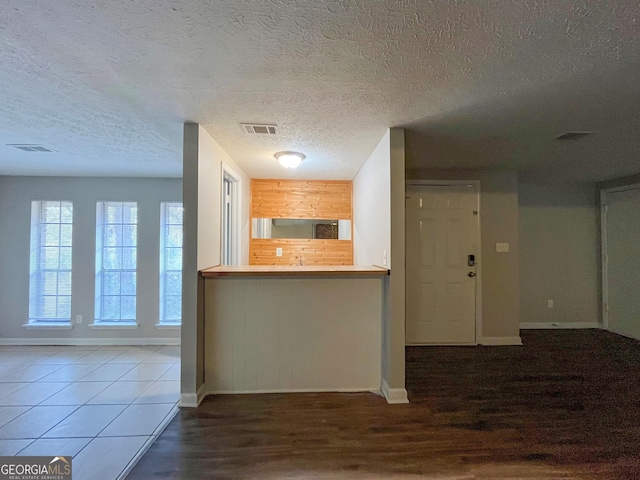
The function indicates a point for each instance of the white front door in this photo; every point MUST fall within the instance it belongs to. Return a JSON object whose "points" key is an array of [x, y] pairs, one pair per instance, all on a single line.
{"points": [[442, 233], [623, 261]]}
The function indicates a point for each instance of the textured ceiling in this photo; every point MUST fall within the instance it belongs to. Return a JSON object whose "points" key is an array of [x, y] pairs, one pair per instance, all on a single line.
{"points": [[477, 84]]}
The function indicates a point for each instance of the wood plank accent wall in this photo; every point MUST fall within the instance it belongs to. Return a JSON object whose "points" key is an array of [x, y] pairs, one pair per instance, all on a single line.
{"points": [[301, 251], [325, 199], [321, 199]]}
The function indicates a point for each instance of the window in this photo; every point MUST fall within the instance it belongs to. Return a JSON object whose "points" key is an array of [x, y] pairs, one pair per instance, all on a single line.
{"points": [[170, 263], [116, 252], [50, 261]]}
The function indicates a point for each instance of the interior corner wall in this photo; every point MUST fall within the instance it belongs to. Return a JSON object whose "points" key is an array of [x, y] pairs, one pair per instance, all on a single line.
{"points": [[500, 271], [16, 195], [372, 207], [498, 223], [203, 160], [393, 350], [559, 253], [192, 352]]}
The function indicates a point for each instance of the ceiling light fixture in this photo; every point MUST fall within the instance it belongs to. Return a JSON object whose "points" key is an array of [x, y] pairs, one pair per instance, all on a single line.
{"points": [[289, 159]]}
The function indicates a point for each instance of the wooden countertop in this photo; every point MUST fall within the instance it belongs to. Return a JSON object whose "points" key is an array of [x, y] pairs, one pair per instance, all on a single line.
{"points": [[293, 270]]}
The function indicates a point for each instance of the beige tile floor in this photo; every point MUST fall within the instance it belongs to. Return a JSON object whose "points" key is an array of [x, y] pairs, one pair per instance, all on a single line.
{"points": [[102, 405]]}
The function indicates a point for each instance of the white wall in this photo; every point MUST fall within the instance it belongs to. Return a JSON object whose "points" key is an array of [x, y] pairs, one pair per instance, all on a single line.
{"points": [[559, 253], [16, 195], [211, 160], [393, 366], [372, 207], [378, 213]]}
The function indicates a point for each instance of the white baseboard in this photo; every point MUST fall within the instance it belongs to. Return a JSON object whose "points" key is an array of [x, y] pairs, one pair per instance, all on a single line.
{"points": [[90, 341], [193, 400], [558, 325], [394, 396], [499, 341]]}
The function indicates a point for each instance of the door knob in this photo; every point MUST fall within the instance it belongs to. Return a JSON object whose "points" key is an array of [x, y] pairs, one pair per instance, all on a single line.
{"points": [[471, 274]]}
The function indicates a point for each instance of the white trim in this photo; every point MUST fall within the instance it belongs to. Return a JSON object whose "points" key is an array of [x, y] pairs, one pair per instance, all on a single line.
{"points": [[48, 326], [236, 202], [168, 326], [147, 444], [499, 341], [193, 400], [603, 259], [89, 341], [114, 326], [603, 247], [394, 396], [558, 325], [477, 186]]}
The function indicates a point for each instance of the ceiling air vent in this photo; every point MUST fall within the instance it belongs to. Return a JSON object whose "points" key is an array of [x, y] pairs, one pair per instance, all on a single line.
{"points": [[30, 148], [259, 128], [574, 135]]}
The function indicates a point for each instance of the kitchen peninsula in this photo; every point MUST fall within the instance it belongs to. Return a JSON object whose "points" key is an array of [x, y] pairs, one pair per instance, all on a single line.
{"points": [[293, 328]]}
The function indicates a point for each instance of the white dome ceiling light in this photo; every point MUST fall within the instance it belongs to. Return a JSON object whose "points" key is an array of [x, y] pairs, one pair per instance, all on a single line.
{"points": [[289, 159]]}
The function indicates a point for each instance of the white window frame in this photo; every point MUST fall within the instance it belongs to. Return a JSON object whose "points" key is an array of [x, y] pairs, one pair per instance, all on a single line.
{"points": [[36, 289], [99, 322], [162, 322]]}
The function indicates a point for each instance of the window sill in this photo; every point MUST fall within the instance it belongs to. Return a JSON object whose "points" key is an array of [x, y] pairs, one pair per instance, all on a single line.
{"points": [[114, 326], [169, 326], [48, 326]]}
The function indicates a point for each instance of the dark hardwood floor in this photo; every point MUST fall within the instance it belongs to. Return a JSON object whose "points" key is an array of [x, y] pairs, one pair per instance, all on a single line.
{"points": [[565, 405]]}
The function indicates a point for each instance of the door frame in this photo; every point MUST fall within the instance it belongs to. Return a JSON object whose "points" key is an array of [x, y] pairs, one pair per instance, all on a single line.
{"points": [[477, 185], [236, 217], [604, 259]]}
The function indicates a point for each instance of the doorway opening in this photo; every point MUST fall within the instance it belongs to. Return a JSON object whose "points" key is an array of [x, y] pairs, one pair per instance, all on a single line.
{"points": [[620, 224], [230, 254]]}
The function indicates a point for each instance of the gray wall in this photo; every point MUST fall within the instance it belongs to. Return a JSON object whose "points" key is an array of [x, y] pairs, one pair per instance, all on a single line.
{"points": [[16, 195], [498, 223], [203, 164], [393, 338], [559, 253]]}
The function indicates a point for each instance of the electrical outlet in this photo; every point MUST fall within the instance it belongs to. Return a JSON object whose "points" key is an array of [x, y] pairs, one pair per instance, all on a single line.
{"points": [[78, 318], [384, 258], [550, 303], [278, 252], [502, 247]]}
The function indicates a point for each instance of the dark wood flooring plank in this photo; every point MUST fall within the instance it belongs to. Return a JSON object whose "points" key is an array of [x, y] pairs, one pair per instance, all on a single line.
{"points": [[565, 405]]}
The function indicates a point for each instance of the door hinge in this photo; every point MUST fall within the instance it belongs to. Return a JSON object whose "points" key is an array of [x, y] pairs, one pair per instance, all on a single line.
{"points": [[475, 212]]}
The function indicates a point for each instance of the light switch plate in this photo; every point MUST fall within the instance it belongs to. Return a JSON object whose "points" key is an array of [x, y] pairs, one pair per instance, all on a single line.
{"points": [[278, 252], [502, 247]]}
